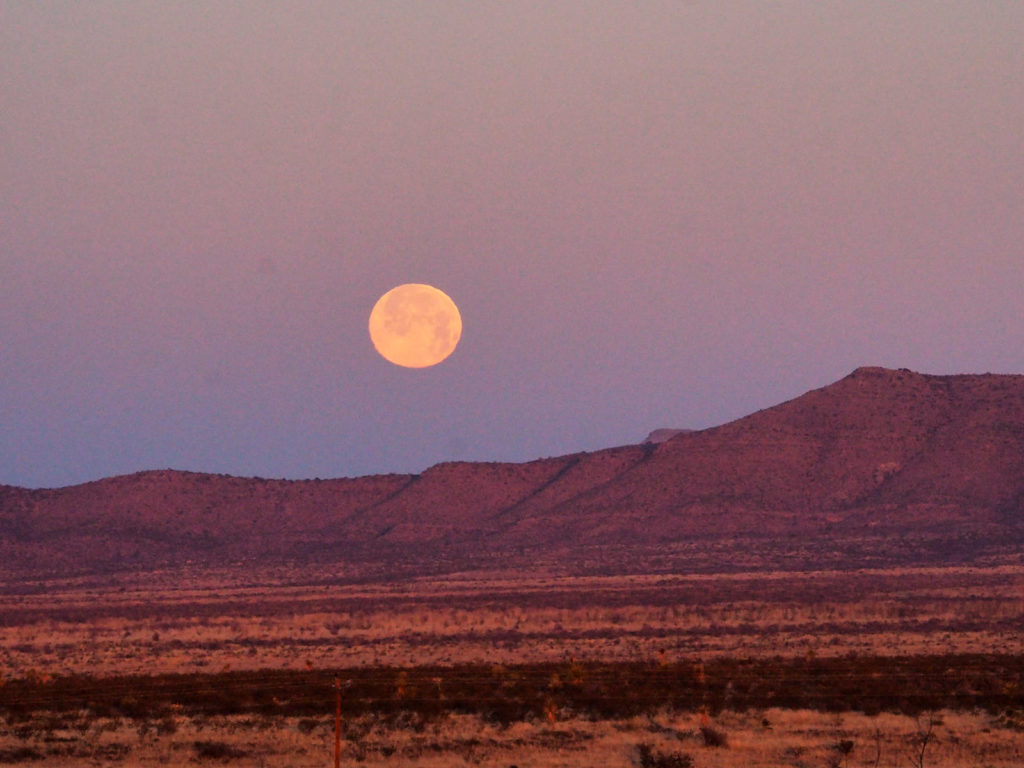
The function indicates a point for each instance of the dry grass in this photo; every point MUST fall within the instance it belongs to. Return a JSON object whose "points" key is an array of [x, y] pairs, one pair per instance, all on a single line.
{"points": [[768, 738], [208, 623], [184, 622]]}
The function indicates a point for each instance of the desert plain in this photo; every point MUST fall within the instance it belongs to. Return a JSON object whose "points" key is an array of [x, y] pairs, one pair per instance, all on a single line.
{"points": [[835, 581], [551, 669]]}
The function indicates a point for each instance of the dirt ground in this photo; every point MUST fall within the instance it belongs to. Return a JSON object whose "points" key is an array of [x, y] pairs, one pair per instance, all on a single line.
{"points": [[766, 738], [187, 622]]}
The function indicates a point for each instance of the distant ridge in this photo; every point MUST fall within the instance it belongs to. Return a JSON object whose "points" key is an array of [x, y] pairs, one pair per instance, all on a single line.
{"points": [[882, 466]]}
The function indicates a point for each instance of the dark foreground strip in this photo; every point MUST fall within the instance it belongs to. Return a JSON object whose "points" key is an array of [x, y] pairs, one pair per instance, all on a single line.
{"points": [[516, 692]]}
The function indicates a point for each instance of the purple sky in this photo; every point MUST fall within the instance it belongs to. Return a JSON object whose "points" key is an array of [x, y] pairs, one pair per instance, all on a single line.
{"points": [[650, 214]]}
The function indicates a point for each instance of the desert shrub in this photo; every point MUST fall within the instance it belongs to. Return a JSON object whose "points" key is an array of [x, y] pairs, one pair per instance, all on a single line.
{"points": [[132, 707], [1011, 719], [840, 753], [113, 751], [713, 737], [27, 730], [524, 692], [217, 750], [19, 755], [167, 726], [652, 758]]}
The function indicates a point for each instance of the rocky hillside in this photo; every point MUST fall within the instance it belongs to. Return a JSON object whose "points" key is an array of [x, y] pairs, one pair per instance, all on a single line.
{"points": [[879, 466]]}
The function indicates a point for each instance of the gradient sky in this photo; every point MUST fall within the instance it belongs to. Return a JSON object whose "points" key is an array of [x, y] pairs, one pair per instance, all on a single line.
{"points": [[650, 214]]}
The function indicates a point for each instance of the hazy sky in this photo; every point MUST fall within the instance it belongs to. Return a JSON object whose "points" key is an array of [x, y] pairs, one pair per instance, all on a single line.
{"points": [[650, 214]]}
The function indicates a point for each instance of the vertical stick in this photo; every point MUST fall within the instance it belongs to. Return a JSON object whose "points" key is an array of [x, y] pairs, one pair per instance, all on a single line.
{"points": [[337, 722]]}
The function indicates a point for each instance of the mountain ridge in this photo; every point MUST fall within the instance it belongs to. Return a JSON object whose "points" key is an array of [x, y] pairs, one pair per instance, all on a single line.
{"points": [[879, 453]]}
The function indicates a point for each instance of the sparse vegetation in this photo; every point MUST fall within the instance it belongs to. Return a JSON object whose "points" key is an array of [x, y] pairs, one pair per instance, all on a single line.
{"points": [[713, 737], [213, 625], [789, 668], [217, 750], [509, 693], [649, 757], [667, 739], [924, 733], [19, 755]]}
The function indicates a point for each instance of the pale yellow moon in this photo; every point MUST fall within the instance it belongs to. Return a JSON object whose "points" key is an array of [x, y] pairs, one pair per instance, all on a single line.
{"points": [[415, 325]]}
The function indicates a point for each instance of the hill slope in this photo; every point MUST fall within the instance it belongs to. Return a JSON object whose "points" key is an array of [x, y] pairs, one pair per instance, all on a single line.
{"points": [[878, 467]]}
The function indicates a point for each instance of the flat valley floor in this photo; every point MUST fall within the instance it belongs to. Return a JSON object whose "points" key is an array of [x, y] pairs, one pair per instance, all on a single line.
{"points": [[883, 667]]}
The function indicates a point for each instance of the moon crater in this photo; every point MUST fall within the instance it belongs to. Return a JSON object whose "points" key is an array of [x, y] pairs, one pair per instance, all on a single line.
{"points": [[415, 325]]}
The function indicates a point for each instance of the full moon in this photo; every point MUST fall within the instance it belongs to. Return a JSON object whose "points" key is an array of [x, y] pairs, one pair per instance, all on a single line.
{"points": [[415, 325]]}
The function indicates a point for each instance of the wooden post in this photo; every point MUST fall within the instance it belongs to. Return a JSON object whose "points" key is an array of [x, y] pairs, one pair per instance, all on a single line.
{"points": [[337, 722]]}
